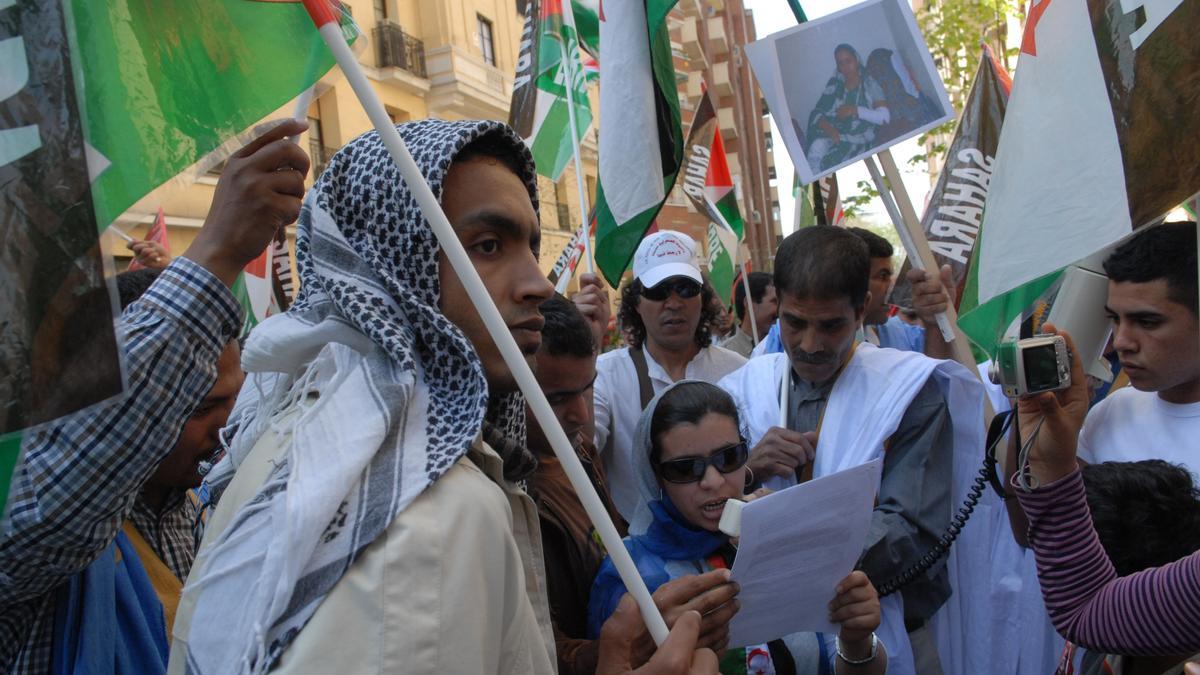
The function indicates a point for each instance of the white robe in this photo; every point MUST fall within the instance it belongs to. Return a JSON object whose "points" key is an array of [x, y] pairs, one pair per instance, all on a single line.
{"points": [[865, 407]]}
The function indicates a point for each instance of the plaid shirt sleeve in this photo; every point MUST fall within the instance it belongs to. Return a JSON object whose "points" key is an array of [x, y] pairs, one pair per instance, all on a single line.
{"points": [[82, 473]]}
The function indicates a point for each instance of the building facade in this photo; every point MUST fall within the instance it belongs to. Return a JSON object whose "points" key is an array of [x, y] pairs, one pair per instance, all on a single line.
{"points": [[708, 37]]}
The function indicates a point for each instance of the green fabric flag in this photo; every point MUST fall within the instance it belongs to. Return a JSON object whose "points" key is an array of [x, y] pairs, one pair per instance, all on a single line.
{"points": [[587, 21], [1090, 150], [540, 109], [10, 453], [641, 139], [165, 83]]}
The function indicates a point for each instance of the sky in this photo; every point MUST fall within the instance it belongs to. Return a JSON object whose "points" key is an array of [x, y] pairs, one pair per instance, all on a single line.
{"points": [[771, 16]]}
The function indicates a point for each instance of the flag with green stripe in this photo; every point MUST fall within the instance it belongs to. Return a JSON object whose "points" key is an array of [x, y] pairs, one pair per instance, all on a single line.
{"points": [[547, 65], [587, 21], [166, 84], [1100, 137], [708, 183], [641, 139]]}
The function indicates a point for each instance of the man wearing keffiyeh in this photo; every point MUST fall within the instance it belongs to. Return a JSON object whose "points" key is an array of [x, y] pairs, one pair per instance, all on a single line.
{"points": [[375, 522]]}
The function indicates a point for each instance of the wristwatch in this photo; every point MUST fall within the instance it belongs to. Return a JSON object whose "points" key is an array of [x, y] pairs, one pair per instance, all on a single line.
{"points": [[859, 662]]}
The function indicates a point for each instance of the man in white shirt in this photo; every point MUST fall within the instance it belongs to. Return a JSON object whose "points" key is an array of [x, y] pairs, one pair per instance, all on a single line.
{"points": [[1152, 301], [665, 310]]}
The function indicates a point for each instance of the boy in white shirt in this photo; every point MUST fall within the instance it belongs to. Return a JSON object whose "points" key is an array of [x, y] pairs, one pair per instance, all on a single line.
{"points": [[1152, 301]]}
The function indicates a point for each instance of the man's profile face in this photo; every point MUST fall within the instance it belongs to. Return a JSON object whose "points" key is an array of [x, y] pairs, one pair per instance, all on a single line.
{"points": [[671, 323], [1155, 337], [199, 439], [490, 210], [567, 382], [880, 286], [817, 334], [766, 311]]}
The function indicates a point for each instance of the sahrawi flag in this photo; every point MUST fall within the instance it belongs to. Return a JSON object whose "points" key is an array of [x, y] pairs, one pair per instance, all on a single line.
{"points": [[564, 267], [955, 210], [1101, 136], [540, 101], [708, 183], [265, 285], [641, 142]]}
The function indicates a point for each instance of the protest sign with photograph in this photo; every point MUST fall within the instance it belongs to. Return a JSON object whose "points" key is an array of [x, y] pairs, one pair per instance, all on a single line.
{"points": [[849, 85]]}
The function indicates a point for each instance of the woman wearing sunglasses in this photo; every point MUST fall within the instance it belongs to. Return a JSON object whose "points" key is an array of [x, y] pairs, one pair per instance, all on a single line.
{"points": [[691, 459]]}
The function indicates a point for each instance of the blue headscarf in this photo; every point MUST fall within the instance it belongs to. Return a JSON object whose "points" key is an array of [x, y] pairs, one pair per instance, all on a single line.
{"points": [[658, 533]]}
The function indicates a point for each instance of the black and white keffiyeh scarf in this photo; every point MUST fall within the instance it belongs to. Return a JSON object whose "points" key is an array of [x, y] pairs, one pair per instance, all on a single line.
{"points": [[380, 393]]}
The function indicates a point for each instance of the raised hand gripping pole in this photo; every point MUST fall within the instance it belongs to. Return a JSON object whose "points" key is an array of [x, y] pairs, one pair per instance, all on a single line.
{"points": [[910, 246], [323, 16]]}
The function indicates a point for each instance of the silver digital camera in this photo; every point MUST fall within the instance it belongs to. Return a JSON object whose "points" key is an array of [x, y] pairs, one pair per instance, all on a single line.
{"points": [[1032, 366]]}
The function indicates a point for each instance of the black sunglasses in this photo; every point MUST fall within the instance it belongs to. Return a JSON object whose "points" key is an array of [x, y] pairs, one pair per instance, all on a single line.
{"points": [[681, 286], [691, 469]]}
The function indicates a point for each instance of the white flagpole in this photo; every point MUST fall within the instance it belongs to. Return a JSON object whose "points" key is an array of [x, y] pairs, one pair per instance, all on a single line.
{"points": [[910, 246], [566, 64], [456, 255], [784, 392], [746, 284]]}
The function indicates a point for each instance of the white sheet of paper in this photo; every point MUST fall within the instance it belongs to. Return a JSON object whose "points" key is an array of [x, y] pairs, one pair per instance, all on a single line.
{"points": [[796, 545]]}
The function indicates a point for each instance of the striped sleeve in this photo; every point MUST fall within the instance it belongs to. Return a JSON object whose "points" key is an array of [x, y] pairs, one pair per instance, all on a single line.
{"points": [[1153, 612]]}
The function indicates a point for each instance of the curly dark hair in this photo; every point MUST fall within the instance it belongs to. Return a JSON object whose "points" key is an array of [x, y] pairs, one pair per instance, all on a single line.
{"points": [[1146, 513], [627, 315]]}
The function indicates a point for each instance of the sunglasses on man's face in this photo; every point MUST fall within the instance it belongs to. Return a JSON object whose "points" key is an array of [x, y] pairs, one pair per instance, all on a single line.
{"points": [[691, 469], [683, 287]]}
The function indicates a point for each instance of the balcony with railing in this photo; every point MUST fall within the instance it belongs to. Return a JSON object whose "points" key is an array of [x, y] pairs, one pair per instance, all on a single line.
{"points": [[320, 156], [395, 48]]}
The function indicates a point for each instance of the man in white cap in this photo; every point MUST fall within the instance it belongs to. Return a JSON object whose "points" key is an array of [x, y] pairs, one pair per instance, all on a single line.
{"points": [[665, 311]]}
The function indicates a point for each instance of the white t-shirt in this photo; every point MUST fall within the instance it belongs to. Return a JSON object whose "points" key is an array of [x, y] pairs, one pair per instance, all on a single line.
{"points": [[618, 404], [1132, 425]]}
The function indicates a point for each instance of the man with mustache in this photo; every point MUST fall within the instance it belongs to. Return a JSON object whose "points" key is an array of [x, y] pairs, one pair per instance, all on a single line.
{"points": [[848, 402], [667, 311]]}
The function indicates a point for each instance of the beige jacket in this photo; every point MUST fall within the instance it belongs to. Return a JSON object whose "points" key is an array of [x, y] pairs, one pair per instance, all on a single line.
{"points": [[456, 584]]}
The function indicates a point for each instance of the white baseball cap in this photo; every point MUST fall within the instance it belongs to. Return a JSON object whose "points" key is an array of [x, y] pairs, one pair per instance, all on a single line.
{"points": [[663, 255]]}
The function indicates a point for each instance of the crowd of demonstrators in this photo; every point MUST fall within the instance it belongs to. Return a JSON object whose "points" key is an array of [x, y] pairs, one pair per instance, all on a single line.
{"points": [[667, 309], [373, 498], [315, 375], [763, 307], [691, 460]]}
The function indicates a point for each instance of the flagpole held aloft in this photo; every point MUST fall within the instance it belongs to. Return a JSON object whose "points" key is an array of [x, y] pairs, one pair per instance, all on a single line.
{"points": [[322, 15], [565, 63], [747, 300], [910, 246]]}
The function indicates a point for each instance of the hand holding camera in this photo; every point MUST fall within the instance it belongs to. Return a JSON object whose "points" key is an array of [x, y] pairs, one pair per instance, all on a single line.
{"points": [[1050, 414]]}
